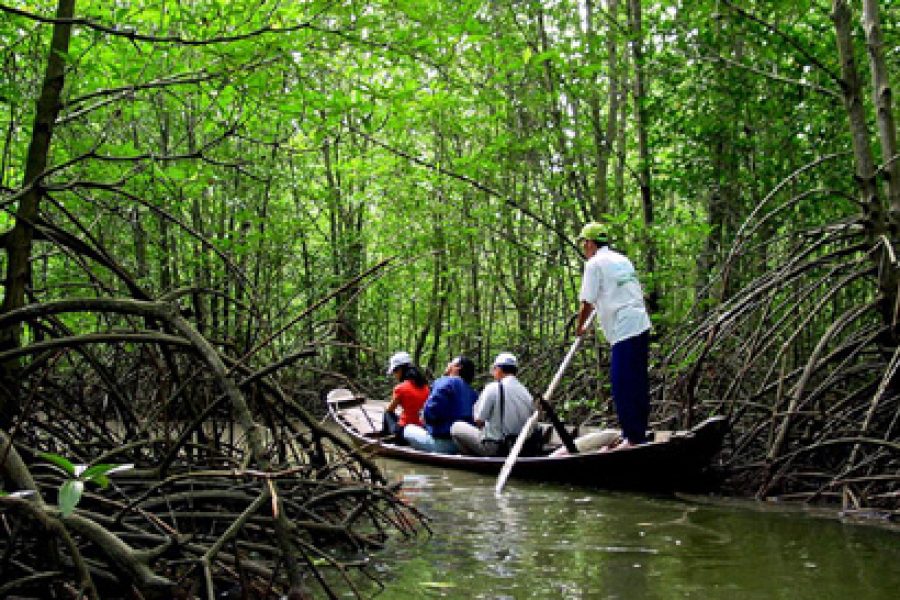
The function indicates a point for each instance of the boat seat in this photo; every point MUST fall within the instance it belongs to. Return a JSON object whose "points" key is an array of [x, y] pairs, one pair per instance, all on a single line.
{"points": [[661, 436]]}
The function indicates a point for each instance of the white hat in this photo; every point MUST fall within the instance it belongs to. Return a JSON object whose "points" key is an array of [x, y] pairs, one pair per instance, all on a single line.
{"points": [[398, 360], [506, 359]]}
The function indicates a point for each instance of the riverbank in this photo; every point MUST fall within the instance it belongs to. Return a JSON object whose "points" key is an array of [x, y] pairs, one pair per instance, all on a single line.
{"points": [[881, 519]]}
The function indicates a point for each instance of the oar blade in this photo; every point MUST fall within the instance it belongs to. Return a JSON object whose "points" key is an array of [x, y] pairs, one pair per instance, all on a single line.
{"points": [[514, 452]]}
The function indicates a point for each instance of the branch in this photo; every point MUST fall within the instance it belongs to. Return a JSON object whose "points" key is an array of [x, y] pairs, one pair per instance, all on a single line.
{"points": [[96, 251], [40, 513], [164, 82], [167, 216], [120, 555], [233, 529], [791, 41], [135, 36], [772, 76], [468, 180], [371, 270], [95, 338]]}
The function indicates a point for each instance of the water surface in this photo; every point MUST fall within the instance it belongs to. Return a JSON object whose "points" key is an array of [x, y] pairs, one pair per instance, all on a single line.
{"points": [[554, 541]]}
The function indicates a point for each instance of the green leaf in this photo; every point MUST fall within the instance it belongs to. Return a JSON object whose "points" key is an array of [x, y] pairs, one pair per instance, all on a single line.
{"points": [[69, 495], [59, 461], [104, 469]]}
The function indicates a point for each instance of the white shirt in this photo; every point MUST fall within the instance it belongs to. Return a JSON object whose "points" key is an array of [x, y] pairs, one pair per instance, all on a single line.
{"points": [[611, 285], [517, 408]]}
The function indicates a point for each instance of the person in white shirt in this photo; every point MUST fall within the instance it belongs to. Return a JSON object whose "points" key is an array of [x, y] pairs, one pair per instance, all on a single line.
{"points": [[500, 412], [610, 286]]}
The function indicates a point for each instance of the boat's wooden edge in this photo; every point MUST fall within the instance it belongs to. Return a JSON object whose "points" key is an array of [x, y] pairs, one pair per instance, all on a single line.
{"points": [[339, 398], [709, 421]]}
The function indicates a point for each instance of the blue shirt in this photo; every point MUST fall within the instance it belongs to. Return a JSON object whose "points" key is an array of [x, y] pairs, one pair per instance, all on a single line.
{"points": [[451, 400]]}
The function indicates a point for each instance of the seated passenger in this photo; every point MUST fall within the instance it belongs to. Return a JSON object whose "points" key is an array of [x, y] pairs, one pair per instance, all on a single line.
{"points": [[409, 394], [451, 399], [500, 413]]}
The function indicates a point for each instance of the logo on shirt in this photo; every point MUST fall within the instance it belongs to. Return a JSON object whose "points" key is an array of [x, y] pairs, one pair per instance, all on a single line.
{"points": [[624, 274]]}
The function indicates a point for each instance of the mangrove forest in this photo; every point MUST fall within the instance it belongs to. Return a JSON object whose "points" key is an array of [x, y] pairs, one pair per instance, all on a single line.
{"points": [[215, 212]]}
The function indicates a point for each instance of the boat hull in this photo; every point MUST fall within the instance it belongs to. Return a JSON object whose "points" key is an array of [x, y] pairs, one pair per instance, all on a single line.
{"points": [[681, 462]]}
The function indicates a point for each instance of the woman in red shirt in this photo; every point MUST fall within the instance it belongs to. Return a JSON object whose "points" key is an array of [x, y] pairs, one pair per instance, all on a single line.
{"points": [[409, 394]]}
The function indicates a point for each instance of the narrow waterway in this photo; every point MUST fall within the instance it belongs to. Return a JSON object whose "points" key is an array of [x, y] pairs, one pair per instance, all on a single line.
{"points": [[552, 541]]}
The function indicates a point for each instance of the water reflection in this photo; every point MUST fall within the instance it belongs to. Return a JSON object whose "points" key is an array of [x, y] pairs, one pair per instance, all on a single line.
{"points": [[549, 541]]}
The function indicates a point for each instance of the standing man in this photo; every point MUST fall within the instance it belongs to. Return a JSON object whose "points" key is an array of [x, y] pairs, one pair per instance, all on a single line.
{"points": [[610, 286], [501, 411], [451, 399]]}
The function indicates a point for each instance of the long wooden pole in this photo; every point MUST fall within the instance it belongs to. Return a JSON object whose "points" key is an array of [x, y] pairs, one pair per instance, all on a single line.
{"points": [[532, 420]]}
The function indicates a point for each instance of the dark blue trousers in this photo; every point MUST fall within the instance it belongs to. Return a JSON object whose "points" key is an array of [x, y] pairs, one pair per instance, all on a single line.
{"points": [[630, 389]]}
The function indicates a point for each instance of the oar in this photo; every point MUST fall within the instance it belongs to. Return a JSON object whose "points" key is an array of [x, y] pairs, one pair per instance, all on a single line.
{"points": [[532, 420]]}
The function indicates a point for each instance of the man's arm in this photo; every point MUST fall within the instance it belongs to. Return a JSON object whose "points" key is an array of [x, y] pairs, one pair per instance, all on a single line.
{"points": [[485, 405], [583, 313]]}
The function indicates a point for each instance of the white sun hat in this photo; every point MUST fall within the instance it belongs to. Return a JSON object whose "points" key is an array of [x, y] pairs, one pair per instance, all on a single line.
{"points": [[506, 359], [398, 360]]}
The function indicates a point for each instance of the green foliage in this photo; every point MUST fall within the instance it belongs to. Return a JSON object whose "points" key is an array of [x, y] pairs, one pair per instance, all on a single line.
{"points": [[458, 136], [71, 490], [69, 495]]}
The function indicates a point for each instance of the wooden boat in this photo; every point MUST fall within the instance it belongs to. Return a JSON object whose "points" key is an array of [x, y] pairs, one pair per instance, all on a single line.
{"points": [[674, 460]]}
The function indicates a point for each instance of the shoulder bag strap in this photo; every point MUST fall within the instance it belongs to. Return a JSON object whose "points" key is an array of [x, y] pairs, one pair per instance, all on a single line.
{"points": [[502, 403]]}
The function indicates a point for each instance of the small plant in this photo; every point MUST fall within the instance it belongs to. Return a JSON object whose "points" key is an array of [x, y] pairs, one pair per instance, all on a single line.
{"points": [[71, 490]]}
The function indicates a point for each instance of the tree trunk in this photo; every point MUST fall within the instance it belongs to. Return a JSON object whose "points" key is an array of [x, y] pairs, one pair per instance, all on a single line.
{"points": [[851, 92], [604, 136], [618, 199], [556, 114], [346, 236], [873, 210], [166, 280], [881, 86], [137, 229], [19, 241], [434, 314], [198, 221], [644, 171], [724, 195], [472, 309]]}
